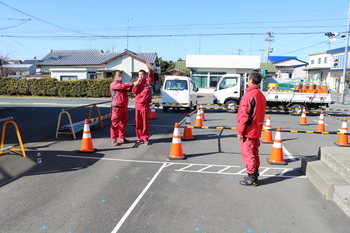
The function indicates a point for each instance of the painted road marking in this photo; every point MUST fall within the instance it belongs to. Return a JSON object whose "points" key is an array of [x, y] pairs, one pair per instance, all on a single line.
{"points": [[122, 220], [211, 168]]}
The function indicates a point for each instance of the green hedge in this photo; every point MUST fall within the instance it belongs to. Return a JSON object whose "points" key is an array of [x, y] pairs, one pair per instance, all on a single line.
{"points": [[52, 87]]}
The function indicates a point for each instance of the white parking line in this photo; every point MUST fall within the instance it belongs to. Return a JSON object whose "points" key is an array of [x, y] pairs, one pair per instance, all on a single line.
{"points": [[122, 220], [290, 156]]}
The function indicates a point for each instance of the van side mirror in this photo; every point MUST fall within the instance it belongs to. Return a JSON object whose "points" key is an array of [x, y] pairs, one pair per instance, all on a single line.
{"points": [[196, 89]]}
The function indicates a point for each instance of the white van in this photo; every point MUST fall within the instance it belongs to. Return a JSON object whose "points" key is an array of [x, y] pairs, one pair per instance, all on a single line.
{"points": [[179, 92]]}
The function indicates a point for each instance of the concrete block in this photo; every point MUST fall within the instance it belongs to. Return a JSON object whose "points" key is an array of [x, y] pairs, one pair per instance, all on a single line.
{"points": [[323, 178], [337, 159], [342, 197]]}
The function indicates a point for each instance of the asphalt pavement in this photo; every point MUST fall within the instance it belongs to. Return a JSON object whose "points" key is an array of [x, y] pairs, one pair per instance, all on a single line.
{"points": [[133, 188]]}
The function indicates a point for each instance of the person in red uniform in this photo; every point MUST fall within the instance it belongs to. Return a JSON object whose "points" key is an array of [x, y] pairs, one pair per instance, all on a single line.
{"points": [[250, 121], [142, 90], [120, 102]]}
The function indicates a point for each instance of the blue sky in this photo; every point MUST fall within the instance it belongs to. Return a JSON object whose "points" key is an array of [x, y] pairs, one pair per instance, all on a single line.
{"points": [[172, 29]]}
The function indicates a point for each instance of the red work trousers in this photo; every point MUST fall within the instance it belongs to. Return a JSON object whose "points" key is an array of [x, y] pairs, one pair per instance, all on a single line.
{"points": [[250, 154], [119, 121], [142, 112]]}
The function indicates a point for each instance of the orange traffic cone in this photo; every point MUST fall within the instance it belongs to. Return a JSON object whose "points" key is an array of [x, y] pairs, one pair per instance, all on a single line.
{"points": [[267, 136], [276, 156], [318, 84], [153, 114], [311, 85], [324, 85], [86, 144], [202, 113], [297, 85], [188, 131], [303, 120], [199, 122], [343, 138], [176, 145], [320, 125], [304, 87]]}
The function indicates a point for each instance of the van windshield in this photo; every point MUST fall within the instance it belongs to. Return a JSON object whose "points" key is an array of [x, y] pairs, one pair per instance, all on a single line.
{"points": [[176, 85]]}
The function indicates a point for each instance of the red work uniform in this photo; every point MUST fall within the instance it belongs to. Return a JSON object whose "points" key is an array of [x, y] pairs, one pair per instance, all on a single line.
{"points": [[120, 102], [142, 106], [250, 121]]}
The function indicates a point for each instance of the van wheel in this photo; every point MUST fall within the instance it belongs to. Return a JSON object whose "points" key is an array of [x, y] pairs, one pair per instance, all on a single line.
{"points": [[231, 106], [296, 109], [165, 109]]}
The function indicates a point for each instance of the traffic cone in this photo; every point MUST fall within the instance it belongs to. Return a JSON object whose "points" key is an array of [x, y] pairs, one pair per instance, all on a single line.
{"points": [[343, 138], [153, 114], [304, 87], [267, 136], [86, 144], [303, 120], [320, 125], [202, 112], [187, 135], [199, 122], [311, 85], [318, 84], [176, 145], [297, 85], [324, 85], [276, 156]]}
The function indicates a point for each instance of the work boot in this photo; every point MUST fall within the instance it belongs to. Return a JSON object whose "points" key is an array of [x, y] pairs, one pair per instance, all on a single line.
{"points": [[251, 179], [256, 173]]}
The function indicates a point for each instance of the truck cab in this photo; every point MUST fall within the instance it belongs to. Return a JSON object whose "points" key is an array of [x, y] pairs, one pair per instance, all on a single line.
{"points": [[229, 90]]}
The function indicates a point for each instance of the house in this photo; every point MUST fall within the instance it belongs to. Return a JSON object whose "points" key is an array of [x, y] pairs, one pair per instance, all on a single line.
{"points": [[288, 67], [206, 70], [328, 65], [18, 70], [95, 64]]}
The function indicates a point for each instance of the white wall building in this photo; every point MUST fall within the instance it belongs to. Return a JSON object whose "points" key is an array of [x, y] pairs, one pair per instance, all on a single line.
{"points": [[206, 70]]}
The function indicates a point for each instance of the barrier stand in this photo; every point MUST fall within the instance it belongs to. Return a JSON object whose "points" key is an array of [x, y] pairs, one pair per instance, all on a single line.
{"points": [[8, 120], [73, 130]]}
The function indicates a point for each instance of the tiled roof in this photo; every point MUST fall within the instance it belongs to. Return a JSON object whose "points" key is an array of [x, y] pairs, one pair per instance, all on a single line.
{"points": [[268, 66], [181, 65], [87, 57]]}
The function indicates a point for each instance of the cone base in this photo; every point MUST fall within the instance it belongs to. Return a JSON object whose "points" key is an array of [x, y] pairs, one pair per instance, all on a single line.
{"points": [[187, 139], [341, 144], [276, 163], [267, 142], [176, 158], [303, 124], [87, 151]]}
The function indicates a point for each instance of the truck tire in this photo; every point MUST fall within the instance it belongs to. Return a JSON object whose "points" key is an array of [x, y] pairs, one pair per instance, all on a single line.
{"points": [[231, 106], [165, 109], [296, 109]]}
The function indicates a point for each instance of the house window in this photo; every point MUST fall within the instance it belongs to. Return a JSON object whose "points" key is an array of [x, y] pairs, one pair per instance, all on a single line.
{"points": [[68, 78], [318, 60], [325, 60], [312, 61]]}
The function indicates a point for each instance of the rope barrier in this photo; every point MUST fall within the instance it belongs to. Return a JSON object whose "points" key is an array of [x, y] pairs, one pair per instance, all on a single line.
{"points": [[274, 129]]}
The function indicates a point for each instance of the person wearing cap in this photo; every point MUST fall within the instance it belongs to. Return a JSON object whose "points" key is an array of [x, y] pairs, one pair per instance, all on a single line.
{"points": [[119, 93], [250, 121], [142, 90]]}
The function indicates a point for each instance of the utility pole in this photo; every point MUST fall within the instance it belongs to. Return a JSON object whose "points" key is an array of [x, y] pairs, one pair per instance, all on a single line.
{"points": [[343, 78], [127, 35], [239, 51], [269, 40]]}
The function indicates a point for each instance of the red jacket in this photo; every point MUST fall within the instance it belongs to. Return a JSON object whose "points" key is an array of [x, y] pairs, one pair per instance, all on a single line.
{"points": [[119, 93], [251, 113], [143, 90]]}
